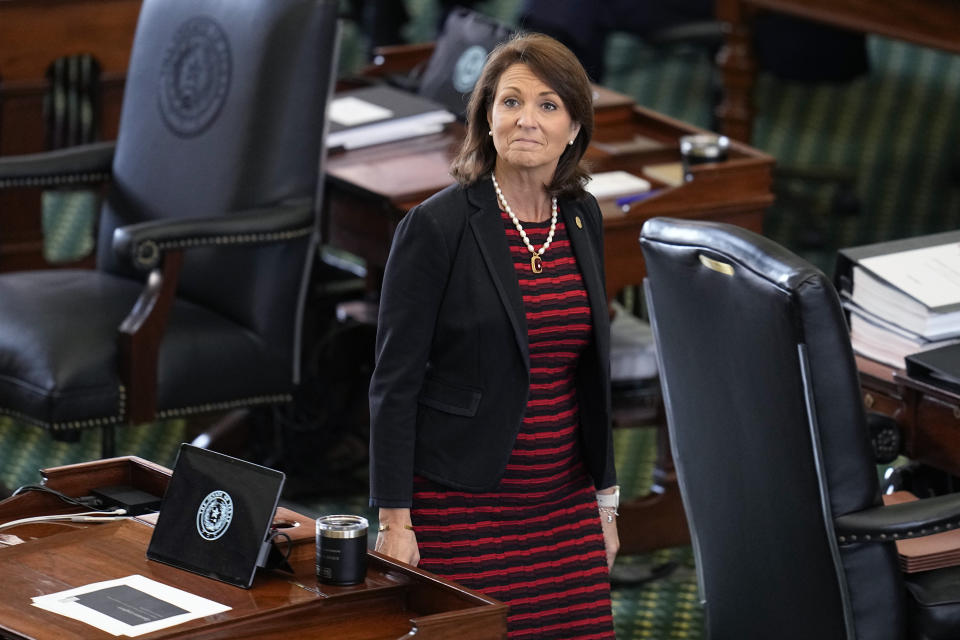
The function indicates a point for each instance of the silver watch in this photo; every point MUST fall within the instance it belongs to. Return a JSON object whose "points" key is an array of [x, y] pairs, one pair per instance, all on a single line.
{"points": [[609, 499]]}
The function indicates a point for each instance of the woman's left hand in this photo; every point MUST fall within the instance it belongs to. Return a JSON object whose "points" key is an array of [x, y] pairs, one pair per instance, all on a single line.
{"points": [[611, 539]]}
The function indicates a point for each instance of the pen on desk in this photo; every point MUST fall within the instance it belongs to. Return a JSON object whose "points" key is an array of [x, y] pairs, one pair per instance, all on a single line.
{"points": [[627, 201]]}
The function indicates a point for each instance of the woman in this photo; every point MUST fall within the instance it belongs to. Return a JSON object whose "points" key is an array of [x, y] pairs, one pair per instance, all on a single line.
{"points": [[490, 431]]}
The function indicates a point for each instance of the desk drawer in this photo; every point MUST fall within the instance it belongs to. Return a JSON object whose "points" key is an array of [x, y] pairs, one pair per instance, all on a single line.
{"points": [[936, 438]]}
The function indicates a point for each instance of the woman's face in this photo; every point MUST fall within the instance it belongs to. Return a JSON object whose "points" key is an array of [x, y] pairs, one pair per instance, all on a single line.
{"points": [[530, 124]]}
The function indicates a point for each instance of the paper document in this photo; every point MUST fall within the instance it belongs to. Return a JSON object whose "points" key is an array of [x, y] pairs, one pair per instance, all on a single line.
{"points": [[670, 173], [610, 184], [379, 114], [931, 275], [130, 606], [350, 111]]}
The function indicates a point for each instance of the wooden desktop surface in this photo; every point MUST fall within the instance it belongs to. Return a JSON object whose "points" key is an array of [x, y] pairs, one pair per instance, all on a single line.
{"points": [[930, 23], [396, 601]]}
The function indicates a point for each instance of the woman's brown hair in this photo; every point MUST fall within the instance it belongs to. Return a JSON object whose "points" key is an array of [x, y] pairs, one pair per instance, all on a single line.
{"points": [[559, 69]]}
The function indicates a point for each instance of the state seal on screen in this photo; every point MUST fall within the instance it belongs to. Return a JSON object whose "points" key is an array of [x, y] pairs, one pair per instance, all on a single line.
{"points": [[214, 515], [468, 67], [195, 76]]}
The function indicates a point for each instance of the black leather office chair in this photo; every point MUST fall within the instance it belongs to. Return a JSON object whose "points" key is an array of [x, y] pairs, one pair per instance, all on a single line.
{"points": [[206, 234], [770, 443]]}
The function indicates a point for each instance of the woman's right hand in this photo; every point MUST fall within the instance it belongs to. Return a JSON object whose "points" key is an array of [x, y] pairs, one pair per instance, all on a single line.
{"points": [[396, 537]]}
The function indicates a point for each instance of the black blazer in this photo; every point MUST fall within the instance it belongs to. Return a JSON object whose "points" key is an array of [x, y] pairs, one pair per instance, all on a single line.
{"points": [[452, 364]]}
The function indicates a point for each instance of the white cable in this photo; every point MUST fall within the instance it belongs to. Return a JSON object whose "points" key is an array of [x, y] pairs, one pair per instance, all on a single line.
{"points": [[86, 516]]}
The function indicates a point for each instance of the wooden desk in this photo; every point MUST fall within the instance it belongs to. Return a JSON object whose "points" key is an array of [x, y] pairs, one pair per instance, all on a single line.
{"points": [[929, 416], [395, 602], [370, 190], [930, 23], [33, 33]]}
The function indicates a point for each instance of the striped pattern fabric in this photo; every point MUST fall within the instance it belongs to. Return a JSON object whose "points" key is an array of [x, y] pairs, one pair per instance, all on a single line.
{"points": [[535, 542]]}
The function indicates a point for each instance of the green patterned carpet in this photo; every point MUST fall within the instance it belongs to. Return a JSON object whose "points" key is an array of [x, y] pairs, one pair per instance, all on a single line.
{"points": [[895, 128]]}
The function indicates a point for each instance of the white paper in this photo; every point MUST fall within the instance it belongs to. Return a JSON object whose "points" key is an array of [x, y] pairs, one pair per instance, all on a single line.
{"points": [[350, 111], [611, 184], [65, 603], [930, 274], [391, 130]]}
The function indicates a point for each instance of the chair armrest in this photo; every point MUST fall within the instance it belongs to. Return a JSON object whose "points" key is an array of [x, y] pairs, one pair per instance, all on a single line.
{"points": [[143, 244], [83, 164], [913, 519]]}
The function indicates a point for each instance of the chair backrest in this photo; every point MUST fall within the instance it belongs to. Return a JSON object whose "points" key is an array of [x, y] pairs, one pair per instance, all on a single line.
{"points": [[768, 435], [224, 110], [461, 51]]}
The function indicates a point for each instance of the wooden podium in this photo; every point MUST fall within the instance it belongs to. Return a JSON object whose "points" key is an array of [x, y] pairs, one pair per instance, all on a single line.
{"points": [[396, 601]]}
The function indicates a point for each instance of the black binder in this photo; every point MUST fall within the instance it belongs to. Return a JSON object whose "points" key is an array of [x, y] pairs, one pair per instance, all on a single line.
{"points": [[939, 367]]}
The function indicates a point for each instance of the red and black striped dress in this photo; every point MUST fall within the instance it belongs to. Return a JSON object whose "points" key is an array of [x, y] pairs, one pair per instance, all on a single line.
{"points": [[534, 543]]}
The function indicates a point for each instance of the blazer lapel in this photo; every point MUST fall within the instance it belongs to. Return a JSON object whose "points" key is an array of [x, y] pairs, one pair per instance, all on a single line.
{"points": [[591, 264], [488, 230]]}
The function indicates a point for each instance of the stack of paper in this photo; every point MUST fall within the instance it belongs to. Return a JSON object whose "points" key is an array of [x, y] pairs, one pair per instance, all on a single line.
{"points": [[379, 114], [929, 552], [918, 290], [903, 296], [878, 339]]}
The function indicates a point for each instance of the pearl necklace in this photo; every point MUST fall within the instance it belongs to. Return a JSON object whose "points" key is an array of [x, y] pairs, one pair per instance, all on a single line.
{"points": [[536, 262]]}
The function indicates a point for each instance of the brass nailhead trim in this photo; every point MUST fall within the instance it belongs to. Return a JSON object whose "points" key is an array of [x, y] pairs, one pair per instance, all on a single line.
{"points": [[244, 238], [219, 406], [54, 181], [168, 413], [75, 424]]}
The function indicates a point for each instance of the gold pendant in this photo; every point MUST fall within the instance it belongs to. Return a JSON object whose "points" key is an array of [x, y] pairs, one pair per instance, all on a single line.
{"points": [[536, 264]]}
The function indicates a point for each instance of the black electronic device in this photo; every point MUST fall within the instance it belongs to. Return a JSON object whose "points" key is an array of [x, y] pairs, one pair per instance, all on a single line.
{"points": [[216, 517], [135, 501]]}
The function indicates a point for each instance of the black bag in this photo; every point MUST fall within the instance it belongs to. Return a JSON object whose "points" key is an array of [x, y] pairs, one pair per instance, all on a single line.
{"points": [[458, 59]]}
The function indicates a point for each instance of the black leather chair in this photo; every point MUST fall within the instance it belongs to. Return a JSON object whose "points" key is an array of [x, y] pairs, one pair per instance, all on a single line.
{"points": [[769, 438], [206, 234]]}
